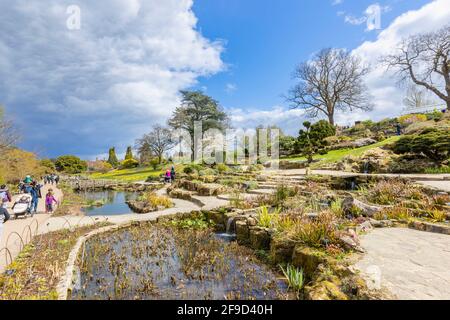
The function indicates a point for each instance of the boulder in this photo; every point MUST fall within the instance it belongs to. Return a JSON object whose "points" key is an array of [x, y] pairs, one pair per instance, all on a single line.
{"points": [[242, 232], [281, 250], [140, 207], [210, 189], [349, 204], [365, 227], [350, 243], [259, 238], [325, 290], [308, 259], [363, 142]]}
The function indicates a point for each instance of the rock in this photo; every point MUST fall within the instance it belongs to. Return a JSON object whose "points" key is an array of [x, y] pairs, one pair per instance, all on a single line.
{"points": [[210, 189], [350, 203], [308, 259], [252, 221], [363, 142], [429, 227], [365, 227], [180, 194], [324, 290], [140, 207], [281, 250], [351, 244], [217, 217], [312, 216], [259, 238], [242, 232]]}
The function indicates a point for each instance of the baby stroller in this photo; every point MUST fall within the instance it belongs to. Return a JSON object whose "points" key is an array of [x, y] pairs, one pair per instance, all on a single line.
{"points": [[22, 207]]}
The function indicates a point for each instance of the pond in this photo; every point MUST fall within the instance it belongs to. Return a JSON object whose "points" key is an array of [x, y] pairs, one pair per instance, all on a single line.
{"points": [[164, 262], [114, 202]]}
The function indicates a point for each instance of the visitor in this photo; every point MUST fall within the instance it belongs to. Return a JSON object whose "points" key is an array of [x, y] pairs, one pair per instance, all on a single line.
{"points": [[50, 179], [49, 201], [5, 196], [27, 179], [35, 192], [172, 174], [45, 179], [56, 179], [399, 129], [167, 178], [4, 216]]}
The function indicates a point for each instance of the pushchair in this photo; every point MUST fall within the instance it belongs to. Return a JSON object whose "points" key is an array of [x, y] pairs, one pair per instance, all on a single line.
{"points": [[22, 207]]}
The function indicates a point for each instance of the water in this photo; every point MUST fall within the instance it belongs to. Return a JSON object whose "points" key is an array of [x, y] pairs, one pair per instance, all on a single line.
{"points": [[160, 262], [115, 202]]}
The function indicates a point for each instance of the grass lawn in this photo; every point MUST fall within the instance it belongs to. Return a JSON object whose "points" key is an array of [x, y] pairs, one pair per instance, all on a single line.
{"points": [[136, 174], [130, 175], [337, 155]]}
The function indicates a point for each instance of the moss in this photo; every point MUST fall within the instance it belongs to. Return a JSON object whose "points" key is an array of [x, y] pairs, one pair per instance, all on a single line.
{"points": [[308, 259], [325, 290]]}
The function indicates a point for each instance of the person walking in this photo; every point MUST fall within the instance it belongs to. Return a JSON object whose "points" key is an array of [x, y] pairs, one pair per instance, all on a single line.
{"points": [[56, 179], [35, 193], [5, 196], [49, 201]]}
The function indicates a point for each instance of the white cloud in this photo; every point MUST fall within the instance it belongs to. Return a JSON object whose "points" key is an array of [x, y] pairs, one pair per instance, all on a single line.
{"points": [[388, 96], [105, 83], [230, 88], [289, 120], [354, 20], [337, 2]]}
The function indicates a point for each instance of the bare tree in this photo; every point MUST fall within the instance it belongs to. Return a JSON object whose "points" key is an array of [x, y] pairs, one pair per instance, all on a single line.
{"points": [[159, 141], [425, 60], [332, 80], [8, 135]]}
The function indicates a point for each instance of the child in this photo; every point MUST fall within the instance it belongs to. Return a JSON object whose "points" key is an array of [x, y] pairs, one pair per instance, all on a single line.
{"points": [[49, 200]]}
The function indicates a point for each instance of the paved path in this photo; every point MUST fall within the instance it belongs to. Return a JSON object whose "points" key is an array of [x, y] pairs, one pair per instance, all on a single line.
{"points": [[334, 173], [438, 185], [437, 181], [414, 265]]}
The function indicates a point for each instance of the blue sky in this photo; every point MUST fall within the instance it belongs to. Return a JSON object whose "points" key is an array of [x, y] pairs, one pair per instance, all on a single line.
{"points": [[266, 39], [80, 91]]}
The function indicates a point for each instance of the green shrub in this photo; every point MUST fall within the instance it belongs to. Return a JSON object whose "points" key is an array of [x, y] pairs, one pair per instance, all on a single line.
{"points": [[48, 164], [433, 143], [193, 168], [221, 167], [129, 163], [154, 163], [70, 164], [436, 115]]}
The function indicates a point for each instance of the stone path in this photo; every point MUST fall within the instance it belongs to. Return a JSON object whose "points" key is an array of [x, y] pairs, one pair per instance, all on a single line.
{"points": [[413, 265], [439, 185], [436, 181]]}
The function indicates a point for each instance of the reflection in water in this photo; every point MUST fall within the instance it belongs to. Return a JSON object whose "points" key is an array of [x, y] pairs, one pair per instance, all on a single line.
{"points": [[115, 202]]}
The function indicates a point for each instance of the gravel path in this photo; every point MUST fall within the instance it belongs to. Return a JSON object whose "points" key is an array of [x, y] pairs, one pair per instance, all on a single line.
{"points": [[413, 265]]}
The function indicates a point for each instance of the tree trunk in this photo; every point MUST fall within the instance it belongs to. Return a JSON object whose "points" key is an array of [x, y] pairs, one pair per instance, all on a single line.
{"points": [[331, 119], [448, 105]]}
